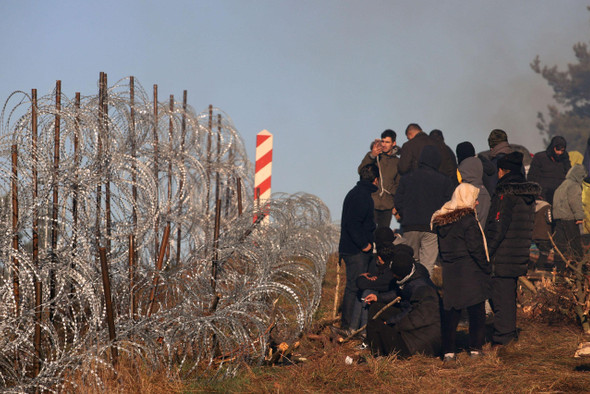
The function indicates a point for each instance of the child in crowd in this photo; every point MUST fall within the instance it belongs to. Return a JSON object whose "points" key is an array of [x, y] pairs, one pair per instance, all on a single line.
{"points": [[541, 231]]}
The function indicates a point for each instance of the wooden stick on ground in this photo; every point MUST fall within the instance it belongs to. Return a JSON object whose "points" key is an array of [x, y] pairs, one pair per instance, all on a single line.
{"points": [[355, 332], [337, 292]]}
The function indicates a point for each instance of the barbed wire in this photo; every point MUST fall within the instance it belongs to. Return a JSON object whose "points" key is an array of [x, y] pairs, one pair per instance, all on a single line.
{"points": [[127, 173]]}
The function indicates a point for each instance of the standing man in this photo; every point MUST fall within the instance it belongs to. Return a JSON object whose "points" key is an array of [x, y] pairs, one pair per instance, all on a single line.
{"points": [[410, 153], [356, 241], [508, 232], [383, 154], [448, 163], [550, 167], [499, 147], [420, 193]]}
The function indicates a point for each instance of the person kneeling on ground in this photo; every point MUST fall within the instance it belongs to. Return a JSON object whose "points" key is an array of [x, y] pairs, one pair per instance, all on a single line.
{"points": [[413, 325]]}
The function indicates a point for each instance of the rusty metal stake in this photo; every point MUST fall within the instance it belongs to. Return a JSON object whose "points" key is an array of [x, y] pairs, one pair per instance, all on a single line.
{"points": [[132, 251], [214, 263], [106, 283], [36, 281], [181, 183], [15, 262], [239, 187], [156, 172], [106, 140], [55, 205], [158, 269]]}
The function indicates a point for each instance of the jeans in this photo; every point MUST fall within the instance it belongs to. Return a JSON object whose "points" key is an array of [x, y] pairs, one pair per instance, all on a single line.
{"points": [[356, 264]]}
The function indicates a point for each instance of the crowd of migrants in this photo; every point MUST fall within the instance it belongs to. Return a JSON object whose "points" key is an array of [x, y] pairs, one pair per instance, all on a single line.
{"points": [[473, 216], [196, 303]]}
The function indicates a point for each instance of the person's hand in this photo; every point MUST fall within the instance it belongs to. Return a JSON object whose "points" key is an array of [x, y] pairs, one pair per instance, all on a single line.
{"points": [[376, 148], [579, 221], [368, 276], [371, 298], [368, 247]]}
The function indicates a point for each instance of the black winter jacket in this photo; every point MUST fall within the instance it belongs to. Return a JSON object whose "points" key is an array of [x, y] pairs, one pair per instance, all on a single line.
{"points": [[465, 267], [422, 191], [549, 170], [510, 225], [418, 318], [358, 223], [411, 151]]}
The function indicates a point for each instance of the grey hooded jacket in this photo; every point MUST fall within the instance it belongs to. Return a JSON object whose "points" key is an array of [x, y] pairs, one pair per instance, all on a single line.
{"points": [[567, 200], [471, 170]]}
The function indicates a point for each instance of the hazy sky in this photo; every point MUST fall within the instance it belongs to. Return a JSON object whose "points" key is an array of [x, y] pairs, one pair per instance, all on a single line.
{"points": [[325, 77]]}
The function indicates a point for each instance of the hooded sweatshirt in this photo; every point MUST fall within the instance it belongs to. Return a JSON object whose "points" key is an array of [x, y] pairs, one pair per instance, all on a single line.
{"points": [[471, 170], [567, 201]]}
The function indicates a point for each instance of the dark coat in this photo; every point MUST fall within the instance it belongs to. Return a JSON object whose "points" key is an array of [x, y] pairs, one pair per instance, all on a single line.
{"points": [[411, 151], [358, 223], [418, 317], [448, 160], [422, 191], [510, 225], [384, 281], [549, 170], [490, 178], [465, 267]]}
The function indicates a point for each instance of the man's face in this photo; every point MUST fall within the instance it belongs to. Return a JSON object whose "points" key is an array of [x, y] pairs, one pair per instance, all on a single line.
{"points": [[387, 144], [559, 151]]}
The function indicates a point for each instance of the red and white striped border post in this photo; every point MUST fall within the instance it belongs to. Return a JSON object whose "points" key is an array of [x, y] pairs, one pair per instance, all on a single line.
{"points": [[263, 170]]}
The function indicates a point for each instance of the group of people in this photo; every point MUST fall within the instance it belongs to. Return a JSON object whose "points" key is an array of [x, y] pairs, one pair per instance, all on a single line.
{"points": [[473, 215]]}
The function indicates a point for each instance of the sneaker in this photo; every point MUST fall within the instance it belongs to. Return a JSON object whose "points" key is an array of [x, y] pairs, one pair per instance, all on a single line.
{"points": [[361, 346], [475, 354], [450, 359]]}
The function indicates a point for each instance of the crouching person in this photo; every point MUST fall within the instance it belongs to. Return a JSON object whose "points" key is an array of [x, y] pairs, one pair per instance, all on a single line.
{"points": [[412, 325]]}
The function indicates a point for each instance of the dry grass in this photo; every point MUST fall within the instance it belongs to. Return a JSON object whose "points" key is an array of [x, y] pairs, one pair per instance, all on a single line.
{"points": [[541, 361], [130, 376]]}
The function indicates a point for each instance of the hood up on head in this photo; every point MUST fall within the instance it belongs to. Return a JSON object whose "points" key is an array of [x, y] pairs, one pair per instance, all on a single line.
{"points": [[430, 157], [576, 174], [557, 142], [471, 170]]}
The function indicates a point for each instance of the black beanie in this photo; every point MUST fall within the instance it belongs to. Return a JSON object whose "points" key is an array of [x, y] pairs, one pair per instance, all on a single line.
{"points": [[511, 161], [497, 136], [464, 150], [402, 265], [403, 249], [383, 236]]}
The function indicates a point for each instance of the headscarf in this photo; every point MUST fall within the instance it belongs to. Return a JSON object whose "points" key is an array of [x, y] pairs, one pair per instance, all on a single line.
{"points": [[464, 196]]}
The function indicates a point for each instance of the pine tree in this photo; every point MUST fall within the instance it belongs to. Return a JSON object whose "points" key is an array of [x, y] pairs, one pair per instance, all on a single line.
{"points": [[570, 116]]}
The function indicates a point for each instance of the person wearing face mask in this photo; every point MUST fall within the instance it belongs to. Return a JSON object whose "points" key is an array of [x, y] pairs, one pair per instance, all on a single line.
{"points": [[550, 167]]}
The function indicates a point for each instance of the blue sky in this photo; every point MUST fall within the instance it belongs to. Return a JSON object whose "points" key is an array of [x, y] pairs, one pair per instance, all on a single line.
{"points": [[324, 76]]}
